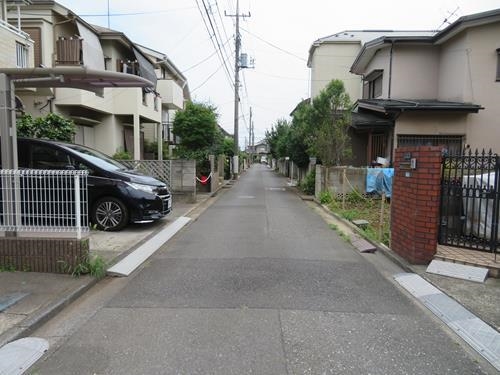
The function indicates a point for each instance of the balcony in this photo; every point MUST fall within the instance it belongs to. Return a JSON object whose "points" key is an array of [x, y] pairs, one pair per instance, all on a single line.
{"points": [[69, 51], [171, 94]]}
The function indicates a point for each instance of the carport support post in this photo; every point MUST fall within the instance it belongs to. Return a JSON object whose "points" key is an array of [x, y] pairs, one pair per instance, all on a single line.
{"points": [[8, 123], [9, 147], [137, 137]]}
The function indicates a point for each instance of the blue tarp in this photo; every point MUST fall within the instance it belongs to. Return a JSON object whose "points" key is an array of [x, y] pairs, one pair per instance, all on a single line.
{"points": [[379, 180]]}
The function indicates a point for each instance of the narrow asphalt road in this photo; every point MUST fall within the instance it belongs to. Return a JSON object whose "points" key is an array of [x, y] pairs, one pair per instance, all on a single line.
{"points": [[260, 284]]}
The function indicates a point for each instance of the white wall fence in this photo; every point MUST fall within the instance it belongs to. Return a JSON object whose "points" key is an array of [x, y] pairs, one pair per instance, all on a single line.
{"points": [[44, 201]]}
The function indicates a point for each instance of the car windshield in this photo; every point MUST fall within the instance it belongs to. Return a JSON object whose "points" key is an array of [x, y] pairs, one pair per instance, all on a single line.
{"points": [[97, 158]]}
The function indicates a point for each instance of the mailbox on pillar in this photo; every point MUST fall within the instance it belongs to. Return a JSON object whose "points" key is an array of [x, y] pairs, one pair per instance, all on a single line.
{"points": [[408, 162]]}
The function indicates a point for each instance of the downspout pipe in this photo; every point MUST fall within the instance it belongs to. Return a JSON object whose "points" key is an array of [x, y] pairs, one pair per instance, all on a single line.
{"points": [[390, 70]]}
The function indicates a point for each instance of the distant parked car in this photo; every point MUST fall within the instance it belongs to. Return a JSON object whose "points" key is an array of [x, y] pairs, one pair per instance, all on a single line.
{"points": [[117, 195], [263, 159]]}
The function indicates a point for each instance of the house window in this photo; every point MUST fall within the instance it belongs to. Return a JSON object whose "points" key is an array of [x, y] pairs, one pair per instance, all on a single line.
{"points": [[21, 55], [376, 87], [498, 64], [453, 143], [372, 84]]}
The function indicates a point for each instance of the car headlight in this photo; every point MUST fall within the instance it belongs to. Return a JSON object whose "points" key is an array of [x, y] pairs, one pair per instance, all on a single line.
{"points": [[146, 188]]}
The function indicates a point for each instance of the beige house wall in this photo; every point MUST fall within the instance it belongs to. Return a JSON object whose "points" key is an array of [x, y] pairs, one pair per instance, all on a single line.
{"points": [[414, 123], [453, 72], [415, 72], [468, 73], [333, 61], [8, 39]]}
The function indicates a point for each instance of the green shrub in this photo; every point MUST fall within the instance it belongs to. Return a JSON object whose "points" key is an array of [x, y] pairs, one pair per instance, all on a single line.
{"points": [[355, 197], [122, 155], [94, 266], [350, 215], [308, 183], [325, 197]]}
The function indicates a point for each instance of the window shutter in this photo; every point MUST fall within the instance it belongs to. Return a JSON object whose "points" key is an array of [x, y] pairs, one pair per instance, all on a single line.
{"points": [[36, 34]]}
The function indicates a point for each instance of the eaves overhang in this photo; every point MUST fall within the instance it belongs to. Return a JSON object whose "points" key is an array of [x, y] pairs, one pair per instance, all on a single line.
{"points": [[466, 22]]}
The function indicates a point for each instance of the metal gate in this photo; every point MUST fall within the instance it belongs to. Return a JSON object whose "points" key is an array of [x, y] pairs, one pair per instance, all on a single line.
{"points": [[470, 200]]}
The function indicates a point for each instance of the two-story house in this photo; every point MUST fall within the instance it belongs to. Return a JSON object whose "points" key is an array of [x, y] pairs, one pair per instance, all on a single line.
{"points": [[117, 118], [436, 90], [173, 90], [16, 46], [331, 58]]}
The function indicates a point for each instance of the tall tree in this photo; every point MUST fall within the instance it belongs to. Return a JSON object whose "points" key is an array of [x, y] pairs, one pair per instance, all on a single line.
{"points": [[331, 119], [277, 138], [196, 126]]}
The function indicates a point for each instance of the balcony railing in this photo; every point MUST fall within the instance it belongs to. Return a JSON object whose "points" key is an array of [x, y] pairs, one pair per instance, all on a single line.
{"points": [[68, 51]]}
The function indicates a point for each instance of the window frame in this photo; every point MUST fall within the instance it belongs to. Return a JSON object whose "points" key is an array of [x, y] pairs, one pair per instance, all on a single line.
{"points": [[22, 55], [498, 65]]}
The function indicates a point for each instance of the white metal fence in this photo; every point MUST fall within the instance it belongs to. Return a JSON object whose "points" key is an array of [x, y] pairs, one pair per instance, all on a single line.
{"points": [[43, 201]]}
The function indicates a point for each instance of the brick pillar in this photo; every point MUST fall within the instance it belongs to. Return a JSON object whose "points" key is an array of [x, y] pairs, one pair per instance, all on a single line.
{"points": [[415, 202]]}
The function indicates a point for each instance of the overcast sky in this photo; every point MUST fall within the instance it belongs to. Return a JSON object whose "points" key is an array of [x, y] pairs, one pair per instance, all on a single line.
{"points": [[277, 35]]}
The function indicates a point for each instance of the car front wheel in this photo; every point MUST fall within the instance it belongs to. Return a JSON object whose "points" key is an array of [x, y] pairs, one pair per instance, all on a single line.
{"points": [[109, 214]]}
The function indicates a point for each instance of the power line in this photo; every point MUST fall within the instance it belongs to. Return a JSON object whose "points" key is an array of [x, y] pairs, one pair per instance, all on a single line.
{"points": [[216, 37], [217, 49], [208, 78], [273, 45], [202, 61]]}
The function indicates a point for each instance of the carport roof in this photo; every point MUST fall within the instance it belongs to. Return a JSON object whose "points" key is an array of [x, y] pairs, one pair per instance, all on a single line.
{"points": [[75, 77]]}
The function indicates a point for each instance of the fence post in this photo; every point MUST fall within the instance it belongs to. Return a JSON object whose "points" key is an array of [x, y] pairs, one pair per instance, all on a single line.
{"points": [[78, 207]]}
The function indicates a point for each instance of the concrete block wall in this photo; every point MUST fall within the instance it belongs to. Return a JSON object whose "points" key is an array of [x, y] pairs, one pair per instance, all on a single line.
{"points": [[415, 203], [183, 177], [332, 179]]}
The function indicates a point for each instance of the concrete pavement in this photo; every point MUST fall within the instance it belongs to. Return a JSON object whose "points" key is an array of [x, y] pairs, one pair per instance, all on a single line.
{"points": [[42, 295], [46, 294]]}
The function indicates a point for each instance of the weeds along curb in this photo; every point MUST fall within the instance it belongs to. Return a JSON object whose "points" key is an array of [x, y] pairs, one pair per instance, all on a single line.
{"points": [[380, 247]]}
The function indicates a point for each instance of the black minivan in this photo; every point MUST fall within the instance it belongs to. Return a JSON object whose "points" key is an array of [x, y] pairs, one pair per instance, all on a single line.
{"points": [[117, 195]]}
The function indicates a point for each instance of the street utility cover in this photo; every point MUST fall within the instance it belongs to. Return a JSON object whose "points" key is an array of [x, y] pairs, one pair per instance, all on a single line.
{"points": [[458, 271], [18, 356]]}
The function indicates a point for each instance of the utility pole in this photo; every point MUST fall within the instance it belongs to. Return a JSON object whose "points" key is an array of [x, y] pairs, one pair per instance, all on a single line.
{"points": [[236, 84], [250, 149]]}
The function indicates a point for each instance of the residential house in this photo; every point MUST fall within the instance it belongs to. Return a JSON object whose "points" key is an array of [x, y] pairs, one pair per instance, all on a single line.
{"points": [[331, 58], [113, 119], [16, 46], [436, 90], [173, 90]]}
